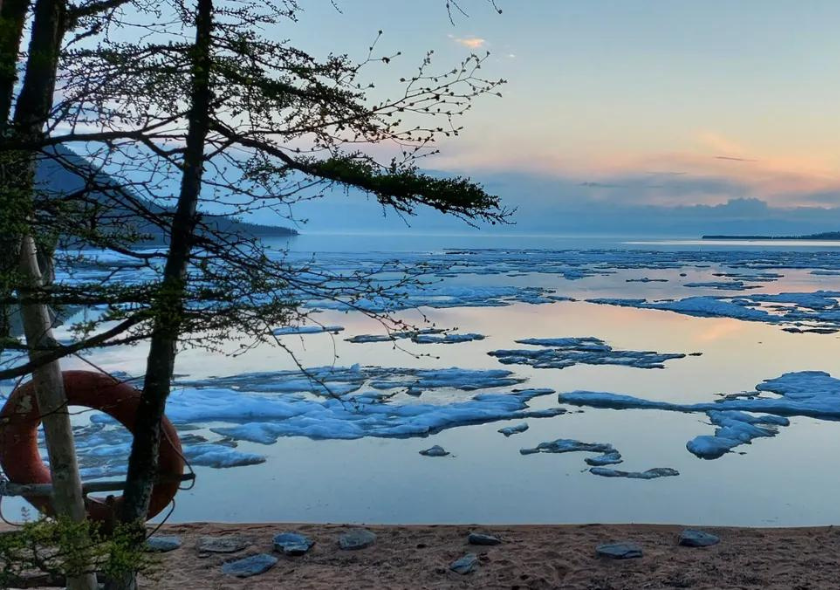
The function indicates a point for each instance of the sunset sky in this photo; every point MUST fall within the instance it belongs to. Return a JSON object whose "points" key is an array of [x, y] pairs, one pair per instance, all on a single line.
{"points": [[674, 102]]}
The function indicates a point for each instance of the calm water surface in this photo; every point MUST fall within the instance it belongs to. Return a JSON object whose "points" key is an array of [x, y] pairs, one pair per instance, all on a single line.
{"points": [[791, 479]]}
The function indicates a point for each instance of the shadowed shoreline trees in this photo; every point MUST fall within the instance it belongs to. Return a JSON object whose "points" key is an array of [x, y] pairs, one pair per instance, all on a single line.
{"points": [[262, 126]]}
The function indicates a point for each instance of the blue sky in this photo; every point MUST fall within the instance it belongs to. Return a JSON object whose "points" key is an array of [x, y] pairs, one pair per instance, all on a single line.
{"points": [[638, 103]]}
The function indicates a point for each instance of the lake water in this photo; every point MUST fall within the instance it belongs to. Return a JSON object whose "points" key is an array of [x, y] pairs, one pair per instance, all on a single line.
{"points": [[788, 479]]}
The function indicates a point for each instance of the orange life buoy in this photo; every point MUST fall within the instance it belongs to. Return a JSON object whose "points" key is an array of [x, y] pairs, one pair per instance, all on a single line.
{"points": [[21, 460]]}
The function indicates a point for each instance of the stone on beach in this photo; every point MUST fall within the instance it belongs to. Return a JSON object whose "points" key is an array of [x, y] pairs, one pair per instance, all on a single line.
{"points": [[465, 564], [292, 544], [230, 544], [162, 544], [356, 539], [483, 539], [250, 566], [695, 538], [619, 550]]}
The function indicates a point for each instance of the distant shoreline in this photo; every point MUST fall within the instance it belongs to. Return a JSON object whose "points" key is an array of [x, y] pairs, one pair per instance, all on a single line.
{"points": [[832, 235]]}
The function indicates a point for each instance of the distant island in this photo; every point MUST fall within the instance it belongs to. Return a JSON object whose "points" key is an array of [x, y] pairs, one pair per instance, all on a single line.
{"points": [[56, 179], [828, 235]]}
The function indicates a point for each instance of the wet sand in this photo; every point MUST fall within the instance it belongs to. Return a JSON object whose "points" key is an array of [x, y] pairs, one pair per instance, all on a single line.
{"points": [[530, 557]]}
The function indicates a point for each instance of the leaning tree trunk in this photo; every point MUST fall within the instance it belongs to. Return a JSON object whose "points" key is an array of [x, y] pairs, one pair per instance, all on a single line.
{"points": [[31, 113], [168, 306]]}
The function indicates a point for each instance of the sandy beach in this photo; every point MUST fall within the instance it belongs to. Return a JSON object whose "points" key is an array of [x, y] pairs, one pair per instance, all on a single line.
{"points": [[530, 557]]}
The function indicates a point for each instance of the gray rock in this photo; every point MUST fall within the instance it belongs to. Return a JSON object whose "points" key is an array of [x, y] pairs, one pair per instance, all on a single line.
{"points": [[435, 451], [230, 544], [511, 430], [163, 544], [356, 539], [250, 566], [464, 565], [619, 550], [695, 538], [482, 539], [292, 543]]}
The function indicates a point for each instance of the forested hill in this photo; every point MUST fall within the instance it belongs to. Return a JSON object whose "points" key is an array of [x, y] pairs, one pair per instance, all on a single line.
{"points": [[53, 178], [828, 235]]}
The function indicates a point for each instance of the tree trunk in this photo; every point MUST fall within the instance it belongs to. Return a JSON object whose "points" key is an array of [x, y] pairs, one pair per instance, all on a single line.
{"points": [[12, 18], [31, 113], [168, 306], [52, 406]]}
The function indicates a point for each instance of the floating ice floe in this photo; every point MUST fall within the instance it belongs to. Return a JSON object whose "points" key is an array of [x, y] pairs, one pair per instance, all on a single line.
{"points": [[447, 338], [654, 473], [397, 335], [265, 419], [339, 381], [103, 447], [251, 405], [607, 454], [312, 329], [442, 296], [814, 394], [818, 309], [722, 285], [429, 272], [560, 353], [761, 277], [426, 336], [511, 430], [646, 280]]}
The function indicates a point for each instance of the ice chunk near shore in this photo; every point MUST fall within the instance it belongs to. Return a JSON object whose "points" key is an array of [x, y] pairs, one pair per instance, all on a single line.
{"points": [[311, 329], [103, 451], [607, 454], [220, 456], [341, 381], [263, 419], [814, 394], [734, 429], [455, 378], [560, 353]]}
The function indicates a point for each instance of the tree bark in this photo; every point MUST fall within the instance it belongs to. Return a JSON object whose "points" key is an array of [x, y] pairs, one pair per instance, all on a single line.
{"points": [[168, 306], [31, 113]]}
